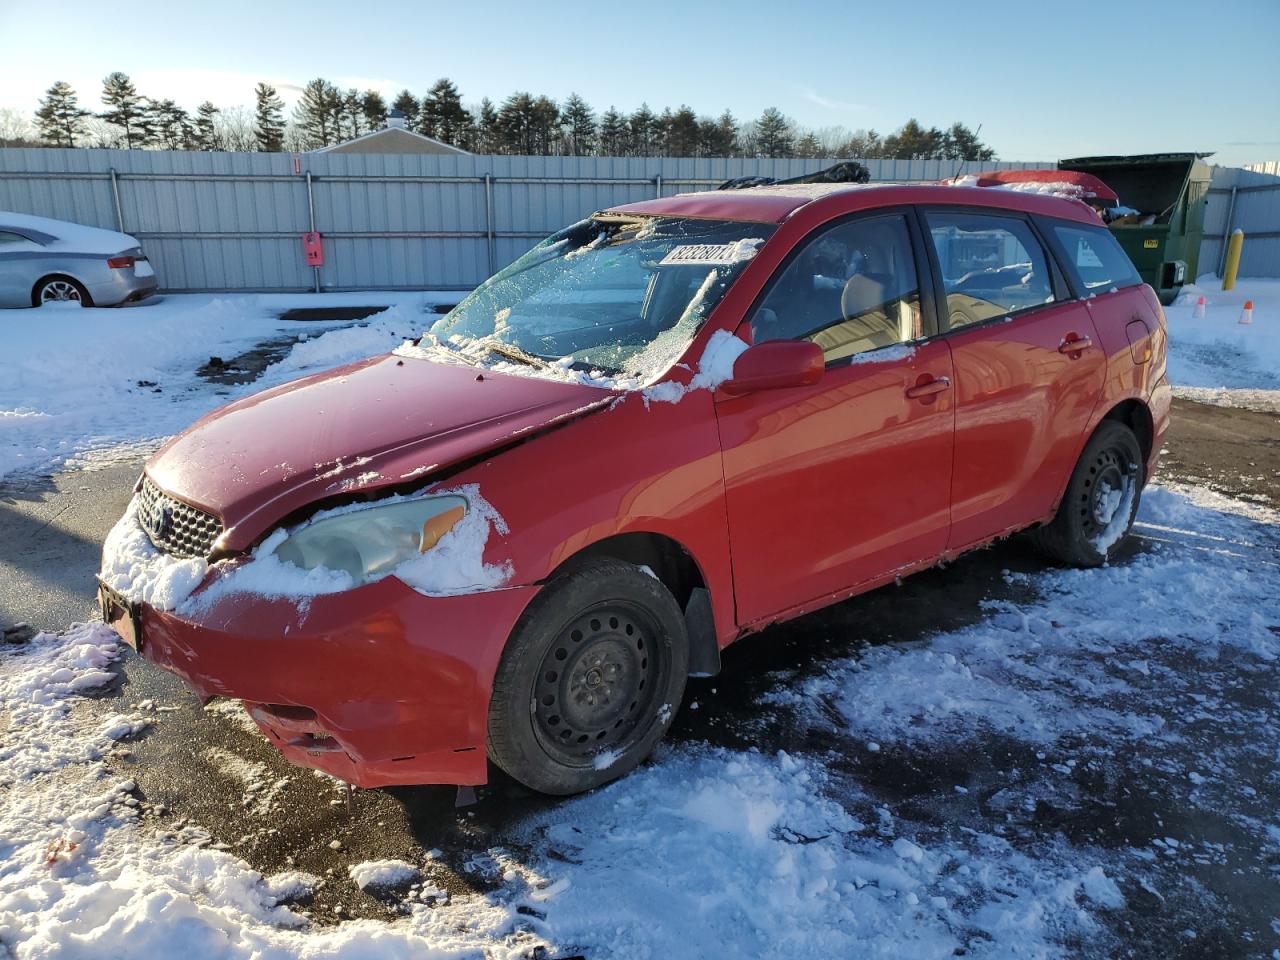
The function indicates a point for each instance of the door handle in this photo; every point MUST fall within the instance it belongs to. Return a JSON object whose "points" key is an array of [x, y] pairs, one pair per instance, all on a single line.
{"points": [[1075, 345], [929, 388]]}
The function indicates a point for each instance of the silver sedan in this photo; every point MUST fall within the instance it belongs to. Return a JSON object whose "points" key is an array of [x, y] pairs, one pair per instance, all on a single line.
{"points": [[46, 261]]}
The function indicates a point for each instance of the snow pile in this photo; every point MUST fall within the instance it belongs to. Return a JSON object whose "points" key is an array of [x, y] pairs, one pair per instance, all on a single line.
{"points": [[133, 566], [759, 852], [714, 368], [1056, 188], [382, 874], [1219, 359], [86, 384]]}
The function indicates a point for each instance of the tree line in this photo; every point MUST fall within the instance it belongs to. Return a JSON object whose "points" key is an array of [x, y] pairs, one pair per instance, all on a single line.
{"points": [[522, 124]]}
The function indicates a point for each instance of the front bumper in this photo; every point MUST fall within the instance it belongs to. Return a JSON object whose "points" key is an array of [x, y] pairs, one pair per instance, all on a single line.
{"points": [[377, 686]]}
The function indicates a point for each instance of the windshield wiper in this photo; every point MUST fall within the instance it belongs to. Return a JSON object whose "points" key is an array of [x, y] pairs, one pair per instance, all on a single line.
{"points": [[510, 351]]}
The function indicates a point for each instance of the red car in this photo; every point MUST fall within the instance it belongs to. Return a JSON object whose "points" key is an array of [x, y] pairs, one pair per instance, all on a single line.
{"points": [[670, 425]]}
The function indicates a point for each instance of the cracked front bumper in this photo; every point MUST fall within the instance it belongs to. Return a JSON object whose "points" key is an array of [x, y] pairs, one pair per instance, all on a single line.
{"points": [[377, 686]]}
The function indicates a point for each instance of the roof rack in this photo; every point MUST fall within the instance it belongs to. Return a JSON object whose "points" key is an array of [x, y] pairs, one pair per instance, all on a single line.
{"points": [[847, 171]]}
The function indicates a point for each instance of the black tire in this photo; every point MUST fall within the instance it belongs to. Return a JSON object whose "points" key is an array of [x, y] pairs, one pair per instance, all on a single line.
{"points": [[56, 287], [1089, 526], [590, 680]]}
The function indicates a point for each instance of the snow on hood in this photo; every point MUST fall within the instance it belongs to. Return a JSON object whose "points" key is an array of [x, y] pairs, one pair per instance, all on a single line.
{"points": [[358, 428], [72, 237]]}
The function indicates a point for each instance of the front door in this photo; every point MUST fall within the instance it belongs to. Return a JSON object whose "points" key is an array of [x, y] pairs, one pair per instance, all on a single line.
{"points": [[1028, 371], [833, 485]]}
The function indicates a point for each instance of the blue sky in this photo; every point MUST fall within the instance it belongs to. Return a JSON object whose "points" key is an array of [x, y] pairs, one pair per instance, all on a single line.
{"points": [[1045, 80]]}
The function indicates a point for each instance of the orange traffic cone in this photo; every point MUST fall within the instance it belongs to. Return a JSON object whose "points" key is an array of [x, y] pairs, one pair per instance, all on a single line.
{"points": [[1198, 313], [1246, 315]]}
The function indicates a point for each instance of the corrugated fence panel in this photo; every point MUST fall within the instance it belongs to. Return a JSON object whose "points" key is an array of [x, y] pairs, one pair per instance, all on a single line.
{"points": [[1256, 211], [224, 221]]}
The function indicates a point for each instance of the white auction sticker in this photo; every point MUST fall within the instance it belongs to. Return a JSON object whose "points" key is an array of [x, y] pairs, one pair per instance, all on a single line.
{"points": [[713, 254]]}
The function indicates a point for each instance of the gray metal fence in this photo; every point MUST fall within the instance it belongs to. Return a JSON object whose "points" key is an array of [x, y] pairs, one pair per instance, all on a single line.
{"points": [[1248, 201], [233, 221]]}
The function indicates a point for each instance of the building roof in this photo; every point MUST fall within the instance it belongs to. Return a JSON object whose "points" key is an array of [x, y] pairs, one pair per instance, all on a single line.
{"points": [[392, 139]]}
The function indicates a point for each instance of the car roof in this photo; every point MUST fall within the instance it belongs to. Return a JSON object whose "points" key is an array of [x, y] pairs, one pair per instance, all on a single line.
{"points": [[775, 203]]}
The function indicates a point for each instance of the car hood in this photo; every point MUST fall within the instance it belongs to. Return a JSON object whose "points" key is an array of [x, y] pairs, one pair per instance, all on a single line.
{"points": [[381, 423]]}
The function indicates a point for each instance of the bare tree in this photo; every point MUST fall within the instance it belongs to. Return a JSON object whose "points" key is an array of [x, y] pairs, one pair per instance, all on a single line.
{"points": [[16, 130], [235, 129]]}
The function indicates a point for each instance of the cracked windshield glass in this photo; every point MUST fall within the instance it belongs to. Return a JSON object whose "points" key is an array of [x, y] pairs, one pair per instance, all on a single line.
{"points": [[619, 296]]}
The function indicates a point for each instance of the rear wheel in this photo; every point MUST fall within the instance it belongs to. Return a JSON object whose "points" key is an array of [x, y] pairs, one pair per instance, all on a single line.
{"points": [[58, 289], [1097, 511], [590, 680]]}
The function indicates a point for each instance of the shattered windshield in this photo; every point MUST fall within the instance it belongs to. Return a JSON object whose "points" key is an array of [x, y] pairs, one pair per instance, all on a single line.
{"points": [[621, 296]]}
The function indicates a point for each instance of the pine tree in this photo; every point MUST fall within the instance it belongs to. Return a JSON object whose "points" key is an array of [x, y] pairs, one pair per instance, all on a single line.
{"points": [[516, 124], [644, 130], [615, 135], [59, 118], [961, 143], [407, 104], [443, 115], [318, 113], [268, 126], [374, 109], [168, 125], [487, 137], [579, 127], [808, 146], [863, 145], [204, 130], [126, 109], [681, 135], [718, 138], [774, 134], [914, 142]]}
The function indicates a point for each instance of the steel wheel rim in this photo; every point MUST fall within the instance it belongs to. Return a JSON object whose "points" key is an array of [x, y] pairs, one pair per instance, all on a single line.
{"points": [[59, 290], [1108, 473], [598, 683]]}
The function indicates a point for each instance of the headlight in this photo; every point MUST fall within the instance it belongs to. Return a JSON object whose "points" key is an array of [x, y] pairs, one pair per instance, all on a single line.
{"points": [[371, 542]]}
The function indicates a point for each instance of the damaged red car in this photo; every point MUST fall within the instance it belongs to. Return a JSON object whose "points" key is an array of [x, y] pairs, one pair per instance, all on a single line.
{"points": [[665, 427]]}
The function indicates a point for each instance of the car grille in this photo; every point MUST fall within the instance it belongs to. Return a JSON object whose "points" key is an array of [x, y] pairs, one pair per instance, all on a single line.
{"points": [[176, 528]]}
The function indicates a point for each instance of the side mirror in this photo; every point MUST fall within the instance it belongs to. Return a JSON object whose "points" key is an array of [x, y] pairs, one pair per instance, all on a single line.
{"points": [[774, 365]]}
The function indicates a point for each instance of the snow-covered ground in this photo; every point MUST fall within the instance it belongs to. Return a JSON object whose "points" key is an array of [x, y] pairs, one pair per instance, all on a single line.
{"points": [[83, 385], [79, 386], [1217, 359], [1128, 720]]}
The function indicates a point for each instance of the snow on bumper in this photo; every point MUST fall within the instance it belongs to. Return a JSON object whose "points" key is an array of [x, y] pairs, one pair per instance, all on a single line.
{"points": [[379, 685]]}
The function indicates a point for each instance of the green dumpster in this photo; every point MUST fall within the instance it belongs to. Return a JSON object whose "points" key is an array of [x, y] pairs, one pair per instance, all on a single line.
{"points": [[1168, 192]]}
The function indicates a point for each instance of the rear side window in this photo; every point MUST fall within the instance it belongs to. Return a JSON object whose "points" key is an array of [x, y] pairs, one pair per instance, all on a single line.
{"points": [[992, 266], [1096, 257]]}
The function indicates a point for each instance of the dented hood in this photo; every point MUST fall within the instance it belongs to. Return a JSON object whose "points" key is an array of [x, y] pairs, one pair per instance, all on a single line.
{"points": [[383, 422]]}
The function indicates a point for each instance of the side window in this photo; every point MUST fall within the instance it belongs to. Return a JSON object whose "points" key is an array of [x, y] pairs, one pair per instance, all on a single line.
{"points": [[10, 239], [851, 289], [992, 266], [1096, 257]]}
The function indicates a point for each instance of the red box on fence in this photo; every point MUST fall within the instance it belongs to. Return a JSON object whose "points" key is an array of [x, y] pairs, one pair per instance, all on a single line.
{"points": [[313, 246]]}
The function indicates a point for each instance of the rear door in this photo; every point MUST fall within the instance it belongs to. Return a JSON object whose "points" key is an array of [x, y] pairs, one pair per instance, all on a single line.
{"points": [[832, 485], [1028, 370]]}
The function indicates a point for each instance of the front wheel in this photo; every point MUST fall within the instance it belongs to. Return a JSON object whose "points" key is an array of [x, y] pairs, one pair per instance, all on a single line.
{"points": [[590, 680], [1101, 501]]}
